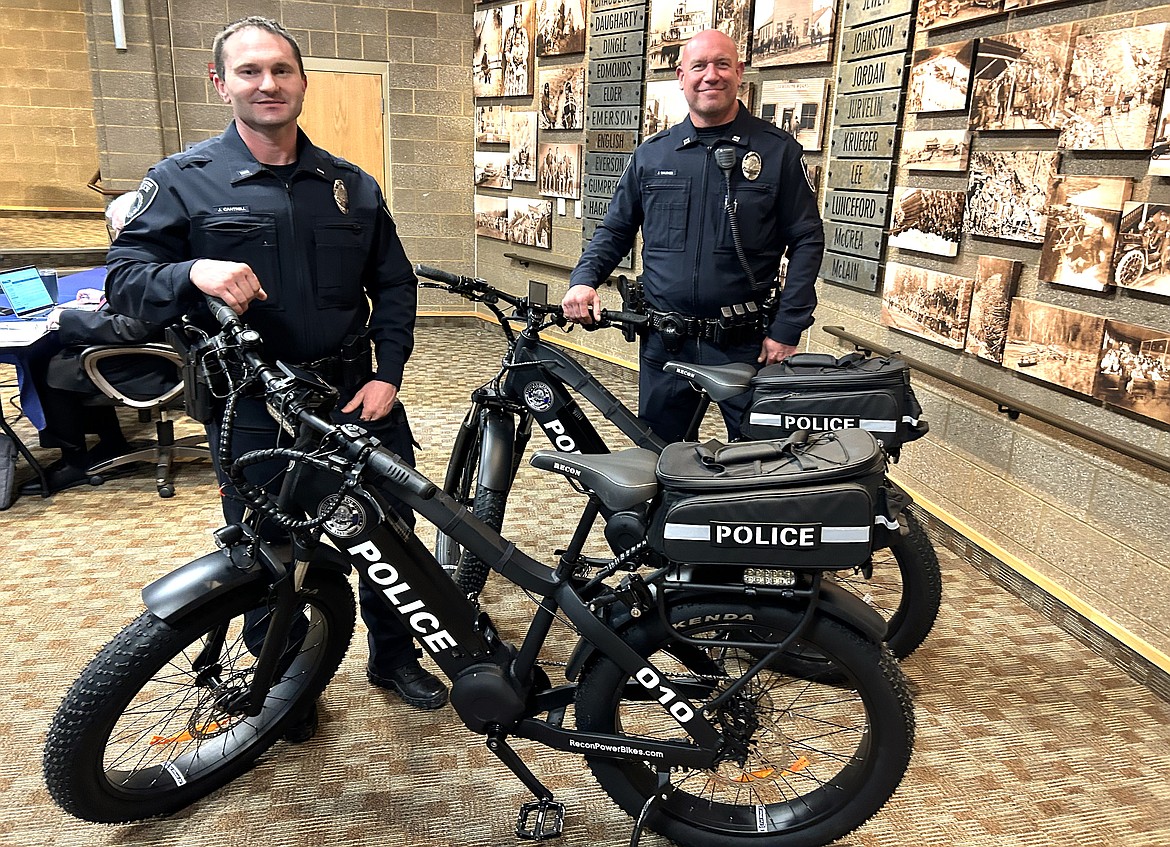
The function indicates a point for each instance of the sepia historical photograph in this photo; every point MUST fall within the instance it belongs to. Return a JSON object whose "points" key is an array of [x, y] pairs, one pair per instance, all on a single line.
{"points": [[1019, 80], [522, 146], [1114, 89], [936, 149], [940, 78], [1160, 154], [929, 304], [672, 24], [560, 27], [562, 97], [991, 306], [487, 69], [1134, 372], [530, 222], [493, 170], [665, 106], [797, 106], [559, 170], [517, 50], [1057, 345], [1083, 216], [734, 17], [792, 32], [935, 14], [491, 217], [1007, 194], [1011, 5], [929, 220], [1141, 258], [491, 124]]}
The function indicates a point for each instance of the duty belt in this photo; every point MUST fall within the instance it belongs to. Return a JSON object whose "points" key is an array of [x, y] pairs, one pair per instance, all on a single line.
{"points": [[738, 324]]}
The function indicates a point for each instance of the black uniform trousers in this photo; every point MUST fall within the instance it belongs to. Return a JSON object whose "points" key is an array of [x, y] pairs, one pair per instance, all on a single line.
{"points": [[391, 645], [667, 402]]}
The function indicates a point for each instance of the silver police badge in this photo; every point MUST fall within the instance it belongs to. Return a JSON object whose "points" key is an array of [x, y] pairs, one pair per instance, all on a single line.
{"points": [[752, 165], [346, 520], [341, 196], [538, 396]]}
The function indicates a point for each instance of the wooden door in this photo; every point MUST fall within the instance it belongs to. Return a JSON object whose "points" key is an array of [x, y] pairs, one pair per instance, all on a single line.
{"points": [[343, 114]]}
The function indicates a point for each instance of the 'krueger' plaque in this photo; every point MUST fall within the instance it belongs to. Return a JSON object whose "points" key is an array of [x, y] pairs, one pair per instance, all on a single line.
{"points": [[863, 142]]}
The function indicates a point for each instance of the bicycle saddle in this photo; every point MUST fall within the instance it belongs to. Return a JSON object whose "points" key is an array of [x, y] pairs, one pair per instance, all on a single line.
{"points": [[620, 480], [719, 381]]}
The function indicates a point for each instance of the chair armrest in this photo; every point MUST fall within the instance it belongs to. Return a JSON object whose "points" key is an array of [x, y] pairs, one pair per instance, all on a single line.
{"points": [[91, 356]]}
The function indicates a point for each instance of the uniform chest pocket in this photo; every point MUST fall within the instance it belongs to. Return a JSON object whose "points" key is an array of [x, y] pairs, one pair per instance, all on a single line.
{"points": [[756, 212], [342, 250], [665, 206], [250, 239]]}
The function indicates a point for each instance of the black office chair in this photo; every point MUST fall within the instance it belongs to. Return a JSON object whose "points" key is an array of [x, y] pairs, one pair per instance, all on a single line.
{"points": [[166, 448]]}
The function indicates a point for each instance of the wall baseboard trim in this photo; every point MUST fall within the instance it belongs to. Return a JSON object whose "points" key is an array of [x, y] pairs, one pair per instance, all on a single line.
{"points": [[1134, 656]]}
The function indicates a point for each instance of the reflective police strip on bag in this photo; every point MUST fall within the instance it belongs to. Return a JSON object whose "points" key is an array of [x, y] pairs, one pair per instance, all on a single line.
{"points": [[814, 505]]}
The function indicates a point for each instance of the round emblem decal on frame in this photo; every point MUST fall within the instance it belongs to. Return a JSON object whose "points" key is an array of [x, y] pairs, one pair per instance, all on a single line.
{"points": [[347, 520], [538, 396]]}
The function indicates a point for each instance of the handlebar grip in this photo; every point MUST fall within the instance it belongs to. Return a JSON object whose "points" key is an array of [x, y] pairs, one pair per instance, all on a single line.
{"points": [[221, 311], [627, 318], [437, 275]]}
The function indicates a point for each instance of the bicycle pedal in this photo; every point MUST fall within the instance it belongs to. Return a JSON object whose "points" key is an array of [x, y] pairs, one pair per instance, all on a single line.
{"points": [[540, 820]]}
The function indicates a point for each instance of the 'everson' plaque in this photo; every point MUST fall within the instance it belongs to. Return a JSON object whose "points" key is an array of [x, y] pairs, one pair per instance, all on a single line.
{"points": [[613, 164]]}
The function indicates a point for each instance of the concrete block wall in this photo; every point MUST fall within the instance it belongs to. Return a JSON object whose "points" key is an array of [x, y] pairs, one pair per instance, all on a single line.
{"points": [[156, 97], [47, 139]]}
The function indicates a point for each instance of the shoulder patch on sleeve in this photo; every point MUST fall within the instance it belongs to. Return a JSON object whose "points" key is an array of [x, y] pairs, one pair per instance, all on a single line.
{"points": [[145, 195]]}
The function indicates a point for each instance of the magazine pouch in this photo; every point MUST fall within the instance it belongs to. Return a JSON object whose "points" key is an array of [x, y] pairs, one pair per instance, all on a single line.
{"points": [[821, 393], [807, 501]]}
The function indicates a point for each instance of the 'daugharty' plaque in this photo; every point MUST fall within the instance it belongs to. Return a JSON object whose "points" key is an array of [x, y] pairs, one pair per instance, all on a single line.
{"points": [[859, 175], [875, 107], [866, 11], [857, 206], [618, 44], [892, 36], [615, 94], [850, 270], [872, 74], [863, 142], [619, 16], [853, 239]]}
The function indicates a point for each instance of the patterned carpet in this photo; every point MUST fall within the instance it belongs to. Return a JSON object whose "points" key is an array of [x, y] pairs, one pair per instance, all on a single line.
{"points": [[1025, 737]]}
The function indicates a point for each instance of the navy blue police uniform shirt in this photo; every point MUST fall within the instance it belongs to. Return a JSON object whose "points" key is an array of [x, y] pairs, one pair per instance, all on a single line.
{"points": [[319, 244], [674, 190]]}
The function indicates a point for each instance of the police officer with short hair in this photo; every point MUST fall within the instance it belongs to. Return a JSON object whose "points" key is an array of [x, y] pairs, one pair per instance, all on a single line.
{"points": [[720, 198], [295, 240]]}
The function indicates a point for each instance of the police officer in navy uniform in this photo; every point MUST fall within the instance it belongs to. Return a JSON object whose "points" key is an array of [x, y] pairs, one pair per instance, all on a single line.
{"points": [[295, 240], [707, 273]]}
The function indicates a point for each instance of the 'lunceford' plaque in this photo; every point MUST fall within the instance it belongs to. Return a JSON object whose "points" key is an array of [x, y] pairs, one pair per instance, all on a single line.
{"points": [[858, 207]]}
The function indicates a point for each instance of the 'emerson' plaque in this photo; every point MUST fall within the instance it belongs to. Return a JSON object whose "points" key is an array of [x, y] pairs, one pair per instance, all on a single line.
{"points": [[858, 207], [620, 117], [872, 74], [853, 239], [850, 270], [859, 175]]}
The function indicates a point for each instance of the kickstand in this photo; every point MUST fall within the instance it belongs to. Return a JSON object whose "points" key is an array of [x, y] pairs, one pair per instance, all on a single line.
{"points": [[661, 793]]}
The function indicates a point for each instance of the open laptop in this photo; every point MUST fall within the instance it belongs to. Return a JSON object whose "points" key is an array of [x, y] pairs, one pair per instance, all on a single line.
{"points": [[30, 301]]}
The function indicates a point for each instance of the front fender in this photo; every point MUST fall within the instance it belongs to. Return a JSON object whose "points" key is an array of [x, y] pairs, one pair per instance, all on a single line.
{"points": [[196, 584], [835, 602], [495, 452]]}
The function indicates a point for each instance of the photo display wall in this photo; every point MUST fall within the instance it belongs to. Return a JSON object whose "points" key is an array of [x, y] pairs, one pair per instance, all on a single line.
{"points": [[1035, 120]]}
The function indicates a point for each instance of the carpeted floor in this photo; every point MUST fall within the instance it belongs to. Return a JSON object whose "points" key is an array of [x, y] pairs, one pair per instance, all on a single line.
{"points": [[1025, 737]]}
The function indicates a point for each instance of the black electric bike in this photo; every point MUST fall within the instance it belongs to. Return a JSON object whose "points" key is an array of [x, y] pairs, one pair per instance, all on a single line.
{"points": [[902, 580], [691, 702]]}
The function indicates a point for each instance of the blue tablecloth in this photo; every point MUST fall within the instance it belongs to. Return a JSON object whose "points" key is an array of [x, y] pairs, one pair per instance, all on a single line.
{"points": [[67, 288]]}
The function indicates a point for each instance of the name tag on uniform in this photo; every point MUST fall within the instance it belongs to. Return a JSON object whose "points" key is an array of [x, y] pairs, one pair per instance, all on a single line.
{"points": [[665, 173], [232, 210]]}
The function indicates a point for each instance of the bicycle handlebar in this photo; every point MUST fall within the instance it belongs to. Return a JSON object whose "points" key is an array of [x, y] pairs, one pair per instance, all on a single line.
{"points": [[478, 289]]}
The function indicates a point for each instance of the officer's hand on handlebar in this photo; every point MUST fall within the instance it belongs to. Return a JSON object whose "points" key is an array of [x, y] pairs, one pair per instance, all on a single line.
{"points": [[582, 304], [232, 282]]}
